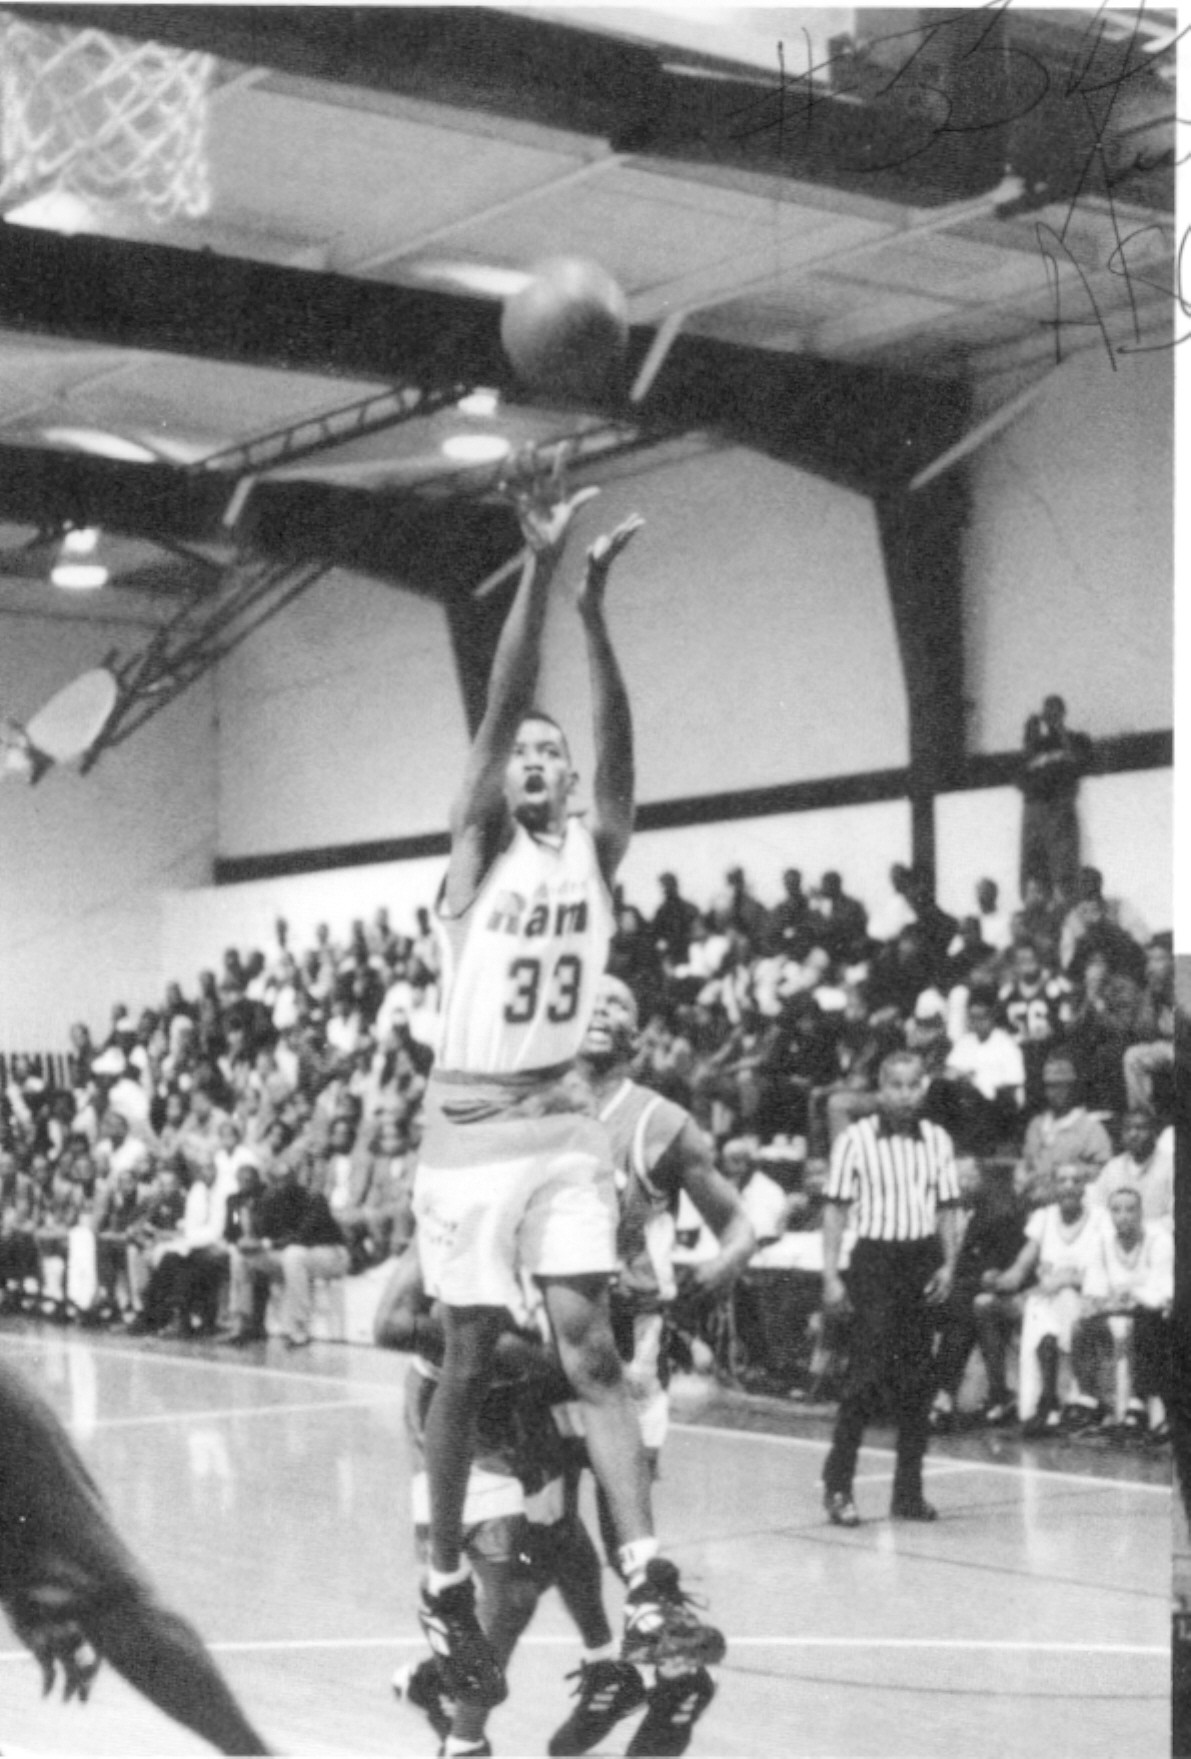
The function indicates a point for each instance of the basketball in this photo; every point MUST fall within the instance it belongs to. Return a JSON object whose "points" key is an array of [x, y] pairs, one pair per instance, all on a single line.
{"points": [[566, 330]]}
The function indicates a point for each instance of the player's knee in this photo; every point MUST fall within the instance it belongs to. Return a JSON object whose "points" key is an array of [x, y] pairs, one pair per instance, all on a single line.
{"points": [[592, 1365]]}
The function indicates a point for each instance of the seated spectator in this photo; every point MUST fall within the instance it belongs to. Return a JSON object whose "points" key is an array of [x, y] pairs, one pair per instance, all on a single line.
{"points": [[765, 1202], [1098, 933], [895, 912], [665, 1059], [936, 929], [199, 1136], [1039, 919], [154, 1227], [1153, 1054], [980, 1097], [791, 921], [993, 1237], [726, 1089], [114, 1217], [996, 927], [291, 1238], [1063, 1135], [182, 1293], [797, 1058], [672, 922], [118, 1149], [1090, 889], [1124, 1326], [841, 922], [1062, 1243], [966, 953], [1142, 1166], [1037, 1008], [899, 974], [60, 1211], [20, 1261]]}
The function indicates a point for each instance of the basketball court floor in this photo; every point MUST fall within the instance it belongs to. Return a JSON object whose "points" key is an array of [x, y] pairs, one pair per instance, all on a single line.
{"points": [[269, 1497]]}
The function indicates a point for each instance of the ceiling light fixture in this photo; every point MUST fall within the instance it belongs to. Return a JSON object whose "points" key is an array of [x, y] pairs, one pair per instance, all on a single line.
{"points": [[481, 404], [476, 448], [76, 569]]}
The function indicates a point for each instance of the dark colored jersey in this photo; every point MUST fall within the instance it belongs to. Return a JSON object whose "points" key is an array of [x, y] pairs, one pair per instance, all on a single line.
{"points": [[1036, 1013]]}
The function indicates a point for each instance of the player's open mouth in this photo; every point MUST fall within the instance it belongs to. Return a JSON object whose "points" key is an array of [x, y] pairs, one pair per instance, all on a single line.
{"points": [[535, 784]]}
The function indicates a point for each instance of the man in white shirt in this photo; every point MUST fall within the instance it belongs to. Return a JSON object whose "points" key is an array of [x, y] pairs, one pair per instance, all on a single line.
{"points": [[1125, 1322], [980, 1096], [1062, 1243]]}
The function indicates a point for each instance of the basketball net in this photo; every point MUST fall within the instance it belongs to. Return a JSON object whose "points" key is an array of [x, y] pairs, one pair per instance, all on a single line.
{"points": [[112, 122]]}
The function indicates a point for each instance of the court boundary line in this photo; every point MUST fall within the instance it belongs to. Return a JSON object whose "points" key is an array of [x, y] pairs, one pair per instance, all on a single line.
{"points": [[679, 1425], [551, 1640]]}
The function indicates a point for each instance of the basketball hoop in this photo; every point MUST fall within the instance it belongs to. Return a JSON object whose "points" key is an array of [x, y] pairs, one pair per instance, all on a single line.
{"points": [[108, 121]]}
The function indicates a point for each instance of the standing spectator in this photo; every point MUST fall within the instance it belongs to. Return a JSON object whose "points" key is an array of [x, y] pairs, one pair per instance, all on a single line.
{"points": [[1053, 760], [1065, 1134], [672, 922], [900, 1173], [1144, 1166]]}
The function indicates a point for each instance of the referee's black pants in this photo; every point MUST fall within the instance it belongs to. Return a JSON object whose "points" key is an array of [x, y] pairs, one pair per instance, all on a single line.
{"points": [[890, 1354]]}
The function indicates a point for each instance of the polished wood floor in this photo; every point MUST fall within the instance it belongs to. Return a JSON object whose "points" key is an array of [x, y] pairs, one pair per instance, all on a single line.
{"points": [[269, 1498]]}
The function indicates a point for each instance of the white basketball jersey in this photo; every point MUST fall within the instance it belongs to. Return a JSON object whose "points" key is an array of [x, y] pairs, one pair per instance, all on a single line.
{"points": [[521, 965]]}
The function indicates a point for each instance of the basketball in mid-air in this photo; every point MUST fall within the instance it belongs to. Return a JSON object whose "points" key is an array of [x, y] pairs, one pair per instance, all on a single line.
{"points": [[565, 332]]}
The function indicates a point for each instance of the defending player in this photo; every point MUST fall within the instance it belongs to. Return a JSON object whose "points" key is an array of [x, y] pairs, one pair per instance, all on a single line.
{"points": [[518, 1532], [76, 1596], [658, 1151], [512, 1175]]}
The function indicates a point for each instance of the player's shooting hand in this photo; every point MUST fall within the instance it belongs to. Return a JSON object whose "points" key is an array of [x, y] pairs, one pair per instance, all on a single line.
{"points": [[544, 508], [600, 557]]}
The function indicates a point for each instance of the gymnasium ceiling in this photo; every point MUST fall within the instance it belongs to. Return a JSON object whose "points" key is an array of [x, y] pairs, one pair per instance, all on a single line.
{"points": [[910, 217]]}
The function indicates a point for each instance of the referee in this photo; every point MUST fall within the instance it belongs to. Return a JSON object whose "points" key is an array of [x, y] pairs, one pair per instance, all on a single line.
{"points": [[899, 1172]]}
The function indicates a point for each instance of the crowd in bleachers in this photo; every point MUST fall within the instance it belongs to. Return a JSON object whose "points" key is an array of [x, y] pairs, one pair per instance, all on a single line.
{"points": [[259, 1133]]}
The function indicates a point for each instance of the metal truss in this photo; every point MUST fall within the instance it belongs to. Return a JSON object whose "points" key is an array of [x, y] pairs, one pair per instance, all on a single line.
{"points": [[209, 626], [330, 429]]}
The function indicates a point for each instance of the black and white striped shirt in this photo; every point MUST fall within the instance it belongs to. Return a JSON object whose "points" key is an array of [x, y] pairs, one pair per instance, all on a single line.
{"points": [[896, 1181]]}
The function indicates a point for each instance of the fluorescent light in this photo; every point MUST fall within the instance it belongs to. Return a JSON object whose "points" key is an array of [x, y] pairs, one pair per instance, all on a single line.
{"points": [[476, 448], [72, 572], [481, 404], [102, 444], [79, 576]]}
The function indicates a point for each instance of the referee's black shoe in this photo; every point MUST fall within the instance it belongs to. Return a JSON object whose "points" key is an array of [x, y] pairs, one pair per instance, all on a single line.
{"points": [[841, 1510], [913, 1508]]}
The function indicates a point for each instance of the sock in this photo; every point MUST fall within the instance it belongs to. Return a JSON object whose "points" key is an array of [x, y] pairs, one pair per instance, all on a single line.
{"points": [[455, 1745], [605, 1652], [437, 1580], [634, 1557]]}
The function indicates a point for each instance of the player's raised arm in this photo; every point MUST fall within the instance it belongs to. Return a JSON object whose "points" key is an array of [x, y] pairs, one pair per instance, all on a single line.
{"points": [[478, 817], [613, 786]]}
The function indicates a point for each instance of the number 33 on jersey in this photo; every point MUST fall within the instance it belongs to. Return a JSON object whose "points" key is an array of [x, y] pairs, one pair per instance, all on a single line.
{"points": [[520, 966]]}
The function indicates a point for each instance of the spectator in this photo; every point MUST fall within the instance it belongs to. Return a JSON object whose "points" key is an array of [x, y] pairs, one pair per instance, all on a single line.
{"points": [[672, 922], [841, 922], [1037, 1008], [1064, 1135], [1125, 1320], [745, 913], [1062, 1243], [1153, 1055], [996, 928], [1097, 932], [183, 1289], [1074, 923], [896, 911], [992, 1237], [1053, 760], [1142, 1166], [979, 1100], [791, 920]]}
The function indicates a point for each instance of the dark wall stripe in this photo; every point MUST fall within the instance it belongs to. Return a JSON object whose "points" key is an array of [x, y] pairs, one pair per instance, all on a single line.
{"points": [[1129, 751]]}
